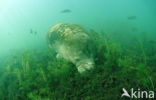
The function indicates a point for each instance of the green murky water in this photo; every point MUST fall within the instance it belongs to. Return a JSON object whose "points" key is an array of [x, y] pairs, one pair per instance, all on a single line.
{"points": [[123, 35]]}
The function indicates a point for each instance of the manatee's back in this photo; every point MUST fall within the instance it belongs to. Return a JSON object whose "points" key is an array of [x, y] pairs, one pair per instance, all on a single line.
{"points": [[69, 34], [71, 42]]}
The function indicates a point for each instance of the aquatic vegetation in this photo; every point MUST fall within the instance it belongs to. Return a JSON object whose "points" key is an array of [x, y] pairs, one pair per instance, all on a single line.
{"points": [[39, 75]]}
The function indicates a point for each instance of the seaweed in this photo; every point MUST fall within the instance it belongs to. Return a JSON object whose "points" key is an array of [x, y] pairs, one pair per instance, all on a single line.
{"points": [[39, 75]]}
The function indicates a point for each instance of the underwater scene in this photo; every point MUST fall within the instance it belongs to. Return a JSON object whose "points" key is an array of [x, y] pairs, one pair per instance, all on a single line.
{"points": [[77, 50]]}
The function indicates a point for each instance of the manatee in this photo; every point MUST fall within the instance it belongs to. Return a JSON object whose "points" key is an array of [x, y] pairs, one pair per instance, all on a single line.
{"points": [[73, 43]]}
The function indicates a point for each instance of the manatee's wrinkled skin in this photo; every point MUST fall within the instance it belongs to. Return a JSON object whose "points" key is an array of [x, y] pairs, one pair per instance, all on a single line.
{"points": [[72, 43]]}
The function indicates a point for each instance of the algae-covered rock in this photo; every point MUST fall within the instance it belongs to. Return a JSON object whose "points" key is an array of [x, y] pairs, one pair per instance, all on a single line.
{"points": [[73, 43]]}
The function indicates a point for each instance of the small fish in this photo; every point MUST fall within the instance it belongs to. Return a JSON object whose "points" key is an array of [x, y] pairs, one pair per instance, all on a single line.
{"points": [[132, 17], [66, 11], [152, 41], [134, 29], [31, 31], [35, 32]]}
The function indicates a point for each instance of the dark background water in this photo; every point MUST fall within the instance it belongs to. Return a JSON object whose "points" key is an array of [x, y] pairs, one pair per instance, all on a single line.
{"points": [[118, 18]]}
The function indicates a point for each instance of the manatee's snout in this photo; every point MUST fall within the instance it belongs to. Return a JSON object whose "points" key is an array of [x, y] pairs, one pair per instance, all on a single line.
{"points": [[85, 64], [72, 43]]}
